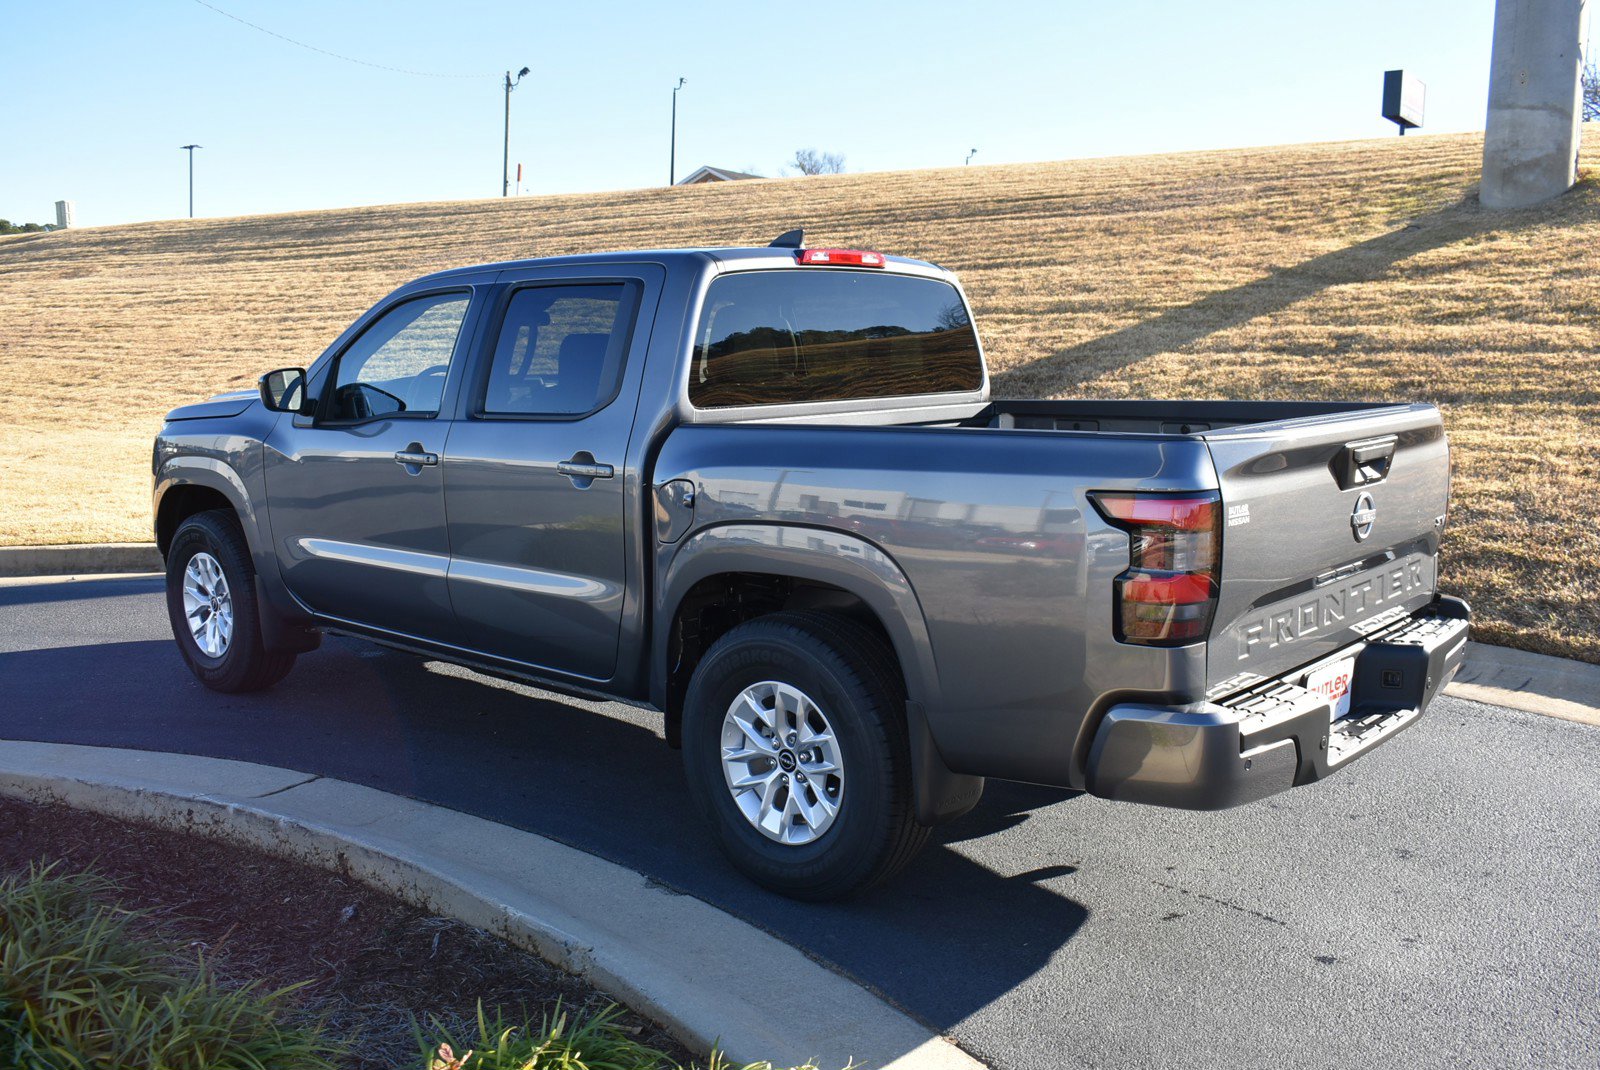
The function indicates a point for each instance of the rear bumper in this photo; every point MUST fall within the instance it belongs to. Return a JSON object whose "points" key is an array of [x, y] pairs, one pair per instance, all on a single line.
{"points": [[1276, 734]]}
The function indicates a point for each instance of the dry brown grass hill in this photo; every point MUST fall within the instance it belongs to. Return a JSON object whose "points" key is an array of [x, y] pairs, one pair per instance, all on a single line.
{"points": [[1357, 270]]}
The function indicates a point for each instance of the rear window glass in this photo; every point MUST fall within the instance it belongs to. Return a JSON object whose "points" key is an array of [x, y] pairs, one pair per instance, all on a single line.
{"points": [[777, 337]]}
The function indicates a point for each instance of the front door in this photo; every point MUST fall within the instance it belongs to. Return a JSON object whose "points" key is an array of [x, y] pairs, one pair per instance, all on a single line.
{"points": [[356, 492], [537, 474]]}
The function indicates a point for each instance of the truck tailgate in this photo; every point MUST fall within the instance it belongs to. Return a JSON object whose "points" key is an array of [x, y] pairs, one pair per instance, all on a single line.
{"points": [[1331, 529]]}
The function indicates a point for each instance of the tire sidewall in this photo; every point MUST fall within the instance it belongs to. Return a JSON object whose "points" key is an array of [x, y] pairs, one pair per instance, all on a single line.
{"points": [[851, 842]]}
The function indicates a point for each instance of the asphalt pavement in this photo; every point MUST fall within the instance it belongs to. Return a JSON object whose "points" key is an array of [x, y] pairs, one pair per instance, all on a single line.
{"points": [[1437, 904]]}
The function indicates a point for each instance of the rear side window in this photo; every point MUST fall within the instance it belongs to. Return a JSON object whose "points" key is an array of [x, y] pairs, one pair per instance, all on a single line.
{"points": [[807, 335], [560, 350]]}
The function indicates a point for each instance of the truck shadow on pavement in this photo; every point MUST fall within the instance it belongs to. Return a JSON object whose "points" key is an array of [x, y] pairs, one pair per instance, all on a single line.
{"points": [[949, 936], [75, 590]]}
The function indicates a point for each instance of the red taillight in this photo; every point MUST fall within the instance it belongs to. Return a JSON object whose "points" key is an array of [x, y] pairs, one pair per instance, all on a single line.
{"points": [[1186, 512], [842, 257], [1169, 591]]}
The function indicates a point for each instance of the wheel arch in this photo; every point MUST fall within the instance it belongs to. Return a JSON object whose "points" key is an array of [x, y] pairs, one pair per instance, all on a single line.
{"points": [[725, 575], [190, 485], [187, 485]]}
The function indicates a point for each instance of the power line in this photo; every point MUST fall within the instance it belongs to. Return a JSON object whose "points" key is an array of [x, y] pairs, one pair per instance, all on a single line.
{"points": [[336, 55]]}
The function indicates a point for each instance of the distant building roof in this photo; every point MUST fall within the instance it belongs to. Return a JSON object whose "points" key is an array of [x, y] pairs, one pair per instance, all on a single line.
{"points": [[713, 174]]}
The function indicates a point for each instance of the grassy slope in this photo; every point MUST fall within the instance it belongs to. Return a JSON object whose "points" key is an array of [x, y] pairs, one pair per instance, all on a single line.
{"points": [[1345, 270]]}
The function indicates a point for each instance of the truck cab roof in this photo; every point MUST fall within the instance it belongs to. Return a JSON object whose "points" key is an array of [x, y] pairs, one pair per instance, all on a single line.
{"points": [[731, 257]]}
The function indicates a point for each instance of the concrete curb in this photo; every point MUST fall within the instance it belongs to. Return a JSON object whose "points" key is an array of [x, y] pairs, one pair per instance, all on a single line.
{"points": [[94, 558], [1536, 683], [703, 974]]}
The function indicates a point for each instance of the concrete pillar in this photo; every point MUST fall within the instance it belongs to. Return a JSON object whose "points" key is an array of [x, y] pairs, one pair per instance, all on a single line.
{"points": [[1530, 148]]}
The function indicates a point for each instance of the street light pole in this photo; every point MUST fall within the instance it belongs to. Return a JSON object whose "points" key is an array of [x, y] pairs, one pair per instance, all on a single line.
{"points": [[190, 149], [672, 154], [505, 159]]}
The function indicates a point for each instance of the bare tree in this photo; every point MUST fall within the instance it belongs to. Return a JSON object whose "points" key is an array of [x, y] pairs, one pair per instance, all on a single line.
{"points": [[954, 316], [1591, 92], [812, 162]]}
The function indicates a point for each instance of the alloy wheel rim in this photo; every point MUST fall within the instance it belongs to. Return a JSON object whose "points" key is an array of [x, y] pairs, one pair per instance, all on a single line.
{"points": [[782, 763], [208, 605]]}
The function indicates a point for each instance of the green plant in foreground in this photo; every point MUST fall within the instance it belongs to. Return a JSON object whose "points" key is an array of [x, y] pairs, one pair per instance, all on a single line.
{"points": [[560, 1041], [81, 989]]}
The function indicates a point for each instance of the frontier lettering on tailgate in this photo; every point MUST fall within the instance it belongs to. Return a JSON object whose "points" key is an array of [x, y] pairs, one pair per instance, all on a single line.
{"points": [[1333, 608]]}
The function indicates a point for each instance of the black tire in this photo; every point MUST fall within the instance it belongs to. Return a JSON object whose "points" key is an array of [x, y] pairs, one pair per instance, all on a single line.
{"points": [[848, 671], [245, 664]]}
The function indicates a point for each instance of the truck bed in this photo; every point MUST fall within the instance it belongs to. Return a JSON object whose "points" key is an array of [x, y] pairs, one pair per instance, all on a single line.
{"points": [[1296, 582], [988, 512], [1154, 417]]}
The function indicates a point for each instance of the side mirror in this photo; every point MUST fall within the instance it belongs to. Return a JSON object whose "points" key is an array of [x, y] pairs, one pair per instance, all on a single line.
{"points": [[284, 390]]}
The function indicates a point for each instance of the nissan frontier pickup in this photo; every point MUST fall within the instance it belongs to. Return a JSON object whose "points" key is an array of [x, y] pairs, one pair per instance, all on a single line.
{"points": [[766, 492]]}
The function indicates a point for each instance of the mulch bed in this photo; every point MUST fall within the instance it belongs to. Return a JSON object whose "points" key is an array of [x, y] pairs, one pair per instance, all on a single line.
{"points": [[375, 965]]}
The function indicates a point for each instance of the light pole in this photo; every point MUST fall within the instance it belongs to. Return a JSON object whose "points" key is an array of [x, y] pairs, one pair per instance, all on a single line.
{"points": [[190, 149], [672, 153], [971, 154], [505, 159]]}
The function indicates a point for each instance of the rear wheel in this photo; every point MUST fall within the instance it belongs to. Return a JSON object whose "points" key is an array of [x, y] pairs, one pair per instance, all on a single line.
{"points": [[794, 744], [211, 602]]}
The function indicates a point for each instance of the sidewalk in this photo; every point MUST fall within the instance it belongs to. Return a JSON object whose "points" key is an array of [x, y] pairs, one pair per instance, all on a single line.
{"points": [[1537, 683]]}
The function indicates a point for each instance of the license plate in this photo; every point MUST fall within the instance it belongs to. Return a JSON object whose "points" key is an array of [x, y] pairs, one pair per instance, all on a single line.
{"points": [[1332, 682]]}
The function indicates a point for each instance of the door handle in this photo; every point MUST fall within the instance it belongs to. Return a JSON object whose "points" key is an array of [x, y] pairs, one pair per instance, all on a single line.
{"points": [[585, 469], [415, 456]]}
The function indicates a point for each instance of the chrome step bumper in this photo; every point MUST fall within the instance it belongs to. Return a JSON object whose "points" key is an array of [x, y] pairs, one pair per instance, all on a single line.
{"points": [[1276, 734]]}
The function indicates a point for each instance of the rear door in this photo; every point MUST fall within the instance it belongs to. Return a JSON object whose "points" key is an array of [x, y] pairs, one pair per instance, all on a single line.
{"points": [[537, 480], [1331, 528]]}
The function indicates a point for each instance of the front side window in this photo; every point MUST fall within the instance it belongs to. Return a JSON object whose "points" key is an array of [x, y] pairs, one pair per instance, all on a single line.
{"points": [[818, 334], [398, 365], [560, 350]]}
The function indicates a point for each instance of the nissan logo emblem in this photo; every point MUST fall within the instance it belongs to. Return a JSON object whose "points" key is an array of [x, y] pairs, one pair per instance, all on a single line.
{"points": [[1363, 516]]}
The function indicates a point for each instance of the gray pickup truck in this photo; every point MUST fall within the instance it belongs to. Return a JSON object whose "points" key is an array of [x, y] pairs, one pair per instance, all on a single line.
{"points": [[766, 492]]}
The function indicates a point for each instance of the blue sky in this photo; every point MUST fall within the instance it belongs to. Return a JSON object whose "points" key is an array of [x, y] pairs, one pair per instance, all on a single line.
{"points": [[96, 97]]}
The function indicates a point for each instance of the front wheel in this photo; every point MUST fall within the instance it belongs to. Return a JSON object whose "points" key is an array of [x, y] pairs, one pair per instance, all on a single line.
{"points": [[795, 748], [211, 602]]}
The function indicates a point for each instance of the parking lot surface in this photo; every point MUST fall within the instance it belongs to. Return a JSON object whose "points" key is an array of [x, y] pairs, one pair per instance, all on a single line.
{"points": [[1434, 905]]}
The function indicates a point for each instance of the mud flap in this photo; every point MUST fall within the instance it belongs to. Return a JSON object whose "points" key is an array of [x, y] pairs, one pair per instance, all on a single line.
{"points": [[278, 634], [941, 795]]}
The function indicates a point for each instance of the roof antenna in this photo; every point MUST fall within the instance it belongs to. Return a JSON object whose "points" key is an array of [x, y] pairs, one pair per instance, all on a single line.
{"points": [[789, 239]]}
